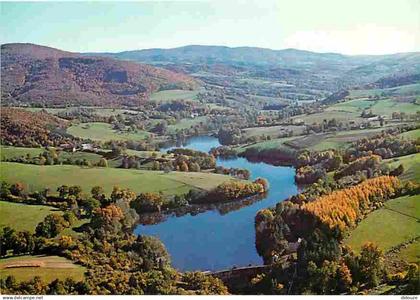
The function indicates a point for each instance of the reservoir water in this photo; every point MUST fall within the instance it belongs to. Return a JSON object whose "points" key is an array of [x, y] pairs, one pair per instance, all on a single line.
{"points": [[213, 240]]}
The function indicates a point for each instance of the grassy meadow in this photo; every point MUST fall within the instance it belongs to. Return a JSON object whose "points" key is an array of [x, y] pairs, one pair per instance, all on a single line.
{"points": [[411, 135], [169, 95], [36, 177], [98, 131], [186, 123], [9, 152], [21, 216], [49, 268], [389, 226], [403, 90], [411, 164]]}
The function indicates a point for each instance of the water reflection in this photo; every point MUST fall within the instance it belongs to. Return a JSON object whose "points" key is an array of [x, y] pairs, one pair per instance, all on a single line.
{"points": [[218, 236]]}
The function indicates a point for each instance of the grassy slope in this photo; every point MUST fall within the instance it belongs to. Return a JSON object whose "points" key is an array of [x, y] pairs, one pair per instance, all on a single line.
{"points": [[411, 164], [169, 95], [389, 226], [409, 89], [106, 112], [103, 132], [316, 142], [272, 131], [186, 123], [38, 177], [411, 135], [23, 216], [9, 152], [388, 106], [411, 253], [49, 268]]}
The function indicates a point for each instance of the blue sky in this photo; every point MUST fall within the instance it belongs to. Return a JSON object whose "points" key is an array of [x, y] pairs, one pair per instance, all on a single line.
{"points": [[350, 27]]}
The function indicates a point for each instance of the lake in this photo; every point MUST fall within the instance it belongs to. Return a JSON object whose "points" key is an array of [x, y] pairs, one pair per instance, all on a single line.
{"points": [[214, 241]]}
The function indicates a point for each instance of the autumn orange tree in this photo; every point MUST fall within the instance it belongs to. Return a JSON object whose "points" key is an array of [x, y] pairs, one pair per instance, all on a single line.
{"points": [[343, 208]]}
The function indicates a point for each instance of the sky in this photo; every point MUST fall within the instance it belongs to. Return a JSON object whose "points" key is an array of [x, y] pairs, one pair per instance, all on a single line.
{"points": [[343, 26]]}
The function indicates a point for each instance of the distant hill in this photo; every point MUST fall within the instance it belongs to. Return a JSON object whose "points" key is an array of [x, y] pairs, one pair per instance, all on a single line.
{"points": [[323, 71], [37, 74], [237, 56]]}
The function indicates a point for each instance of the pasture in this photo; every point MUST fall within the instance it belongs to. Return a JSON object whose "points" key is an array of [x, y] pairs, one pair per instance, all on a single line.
{"points": [[49, 268], [387, 106], [100, 111], [98, 131], [273, 131], [389, 226], [411, 253], [21, 216], [36, 178], [271, 144], [169, 95], [403, 90], [10, 152], [328, 114], [186, 123], [411, 135], [411, 164], [352, 106]]}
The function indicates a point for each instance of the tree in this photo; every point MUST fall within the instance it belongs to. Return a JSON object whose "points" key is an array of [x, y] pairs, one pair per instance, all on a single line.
{"points": [[156, 165], [203, 284], [125, 195], [76, 191], [103, 163], [194, 167], [52, 225], [63, 191], [184, 167], [5, 190], [371, 264], [17, 189], [8, 240], [98, 193], [152, 251], [147, 202], [397, 171], [108, 218], [89, 205]]}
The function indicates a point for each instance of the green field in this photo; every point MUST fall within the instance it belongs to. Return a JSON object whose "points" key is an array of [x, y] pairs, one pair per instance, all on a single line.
{"points": [[169, 95], [36, 177], [20, 216], [395, 223], [49, 268], [317, 142], [404, 90], [23, 216], [103, 132], [100, 111], [271, 144], [9, 152], [273, 131], [352, 106], [411, 164], [387, 107], [339, 140], [411, 135], [186, 123], [411, 253]]}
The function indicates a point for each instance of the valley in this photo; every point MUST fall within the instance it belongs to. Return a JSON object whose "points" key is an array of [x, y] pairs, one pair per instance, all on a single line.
{"points": [[169, 163]]}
